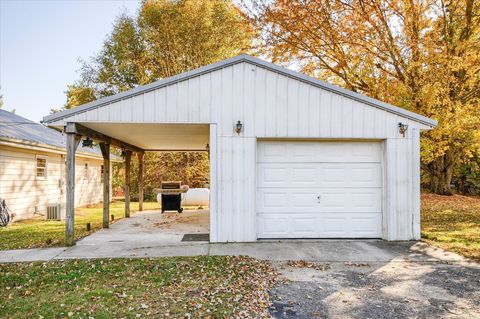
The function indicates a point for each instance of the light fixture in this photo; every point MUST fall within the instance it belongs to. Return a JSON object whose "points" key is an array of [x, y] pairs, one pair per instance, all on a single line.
{"points": [[402, 128], [87, 142], [207, 147], [238, 127]]}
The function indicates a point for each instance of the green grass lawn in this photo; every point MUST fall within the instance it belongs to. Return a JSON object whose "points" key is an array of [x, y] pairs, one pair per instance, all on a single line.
{"points": [[41, 233], [452, 223], [203, 287]]}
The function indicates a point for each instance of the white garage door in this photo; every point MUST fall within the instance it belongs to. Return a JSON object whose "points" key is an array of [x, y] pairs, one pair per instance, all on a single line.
{"points": [[319, 189]]}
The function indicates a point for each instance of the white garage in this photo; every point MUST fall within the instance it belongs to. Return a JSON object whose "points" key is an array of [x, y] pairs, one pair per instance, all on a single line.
{"points": [[290, 156], [319, 189]]}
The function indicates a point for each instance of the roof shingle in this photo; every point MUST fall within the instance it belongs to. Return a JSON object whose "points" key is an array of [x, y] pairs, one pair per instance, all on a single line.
{"points": [[13, 126]]}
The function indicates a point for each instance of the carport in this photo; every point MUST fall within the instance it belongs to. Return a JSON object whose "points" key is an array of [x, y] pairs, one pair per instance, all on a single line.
{"points": [[290, 156], [133, 140]]}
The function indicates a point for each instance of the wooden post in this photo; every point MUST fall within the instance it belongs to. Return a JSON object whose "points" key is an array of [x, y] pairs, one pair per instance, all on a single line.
{"points": [[140, 181], [72, 144], [128, 157], [105, 148]]}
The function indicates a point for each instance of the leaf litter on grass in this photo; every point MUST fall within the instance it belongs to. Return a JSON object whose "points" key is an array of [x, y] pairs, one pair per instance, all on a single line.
{"points": [[172, 287]]}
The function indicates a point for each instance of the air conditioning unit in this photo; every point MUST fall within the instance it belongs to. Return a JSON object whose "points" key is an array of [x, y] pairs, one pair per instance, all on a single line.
{"points": [[55, 212]]}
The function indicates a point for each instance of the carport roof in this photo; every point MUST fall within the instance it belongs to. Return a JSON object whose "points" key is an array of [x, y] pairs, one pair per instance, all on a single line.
{"points": [[238, 59]]}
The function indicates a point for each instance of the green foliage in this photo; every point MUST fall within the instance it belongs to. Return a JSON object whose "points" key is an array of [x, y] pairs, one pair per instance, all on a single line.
{"points": [[183, 35], [164, 39], [78, 94], [192, 168], [467, 175]]}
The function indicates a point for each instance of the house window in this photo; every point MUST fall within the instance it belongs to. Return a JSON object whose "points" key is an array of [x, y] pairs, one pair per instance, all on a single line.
{"points": [[41, 167]]}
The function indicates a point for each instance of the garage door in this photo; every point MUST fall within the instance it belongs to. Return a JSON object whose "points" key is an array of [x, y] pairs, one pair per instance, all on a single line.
{"points": [[319, 189]]}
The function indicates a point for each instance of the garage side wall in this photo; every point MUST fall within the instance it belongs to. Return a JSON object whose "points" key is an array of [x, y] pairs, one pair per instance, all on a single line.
{"points": [[402, 191], [273, 105]]}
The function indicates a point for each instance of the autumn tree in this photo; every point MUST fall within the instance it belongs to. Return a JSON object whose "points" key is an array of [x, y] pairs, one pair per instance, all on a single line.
{"points": [[421, 55], [165, 38]]}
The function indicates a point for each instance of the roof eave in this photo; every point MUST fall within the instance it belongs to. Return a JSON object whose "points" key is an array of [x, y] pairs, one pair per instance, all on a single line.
{"points": [[238, 59], [12, 142]]}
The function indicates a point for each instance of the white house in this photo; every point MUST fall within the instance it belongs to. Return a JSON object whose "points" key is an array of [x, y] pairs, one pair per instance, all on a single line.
{"points": [[290, 156], [32, 168]]}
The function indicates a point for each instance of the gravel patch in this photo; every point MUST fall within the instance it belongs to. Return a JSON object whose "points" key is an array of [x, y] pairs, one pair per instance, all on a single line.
{"points": [[397, 289]]}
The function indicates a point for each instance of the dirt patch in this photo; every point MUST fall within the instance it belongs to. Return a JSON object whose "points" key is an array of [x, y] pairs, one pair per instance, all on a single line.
{"points": [[185, 219], [188, 221]]}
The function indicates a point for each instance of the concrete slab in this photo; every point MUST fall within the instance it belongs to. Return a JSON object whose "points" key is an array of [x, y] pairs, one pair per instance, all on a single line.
{"points": [[145, 234], [329, 251], [336, 251], [150, 228], [133, 251], [153, 234], [29, 255]]}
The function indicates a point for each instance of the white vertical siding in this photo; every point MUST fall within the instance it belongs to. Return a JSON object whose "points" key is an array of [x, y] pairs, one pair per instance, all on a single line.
{"points": [[402, 194], [272, 105], [415, 197], [88, 182], [236, 192], [213, 205], [23, 191]]}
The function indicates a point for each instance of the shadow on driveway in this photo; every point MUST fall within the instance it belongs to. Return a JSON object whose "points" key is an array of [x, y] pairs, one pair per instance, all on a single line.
{"points": [[421, 283]]}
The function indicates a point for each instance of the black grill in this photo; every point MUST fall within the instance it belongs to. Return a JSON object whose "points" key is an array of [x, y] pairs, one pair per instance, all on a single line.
{"points": [[172, 200]]}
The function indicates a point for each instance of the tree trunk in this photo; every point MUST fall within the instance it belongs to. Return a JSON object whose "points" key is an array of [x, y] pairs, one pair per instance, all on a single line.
{"points": [[440, 171]]}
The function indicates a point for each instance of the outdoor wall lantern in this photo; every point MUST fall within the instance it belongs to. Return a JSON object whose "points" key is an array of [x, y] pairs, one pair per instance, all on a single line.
{"points": [[402, 128], [87, 142], [238, 127]]}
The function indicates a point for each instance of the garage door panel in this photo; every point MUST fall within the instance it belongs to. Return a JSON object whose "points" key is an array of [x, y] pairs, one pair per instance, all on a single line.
{"points": [[304, 152], [319, 175], [366, 225], [331, 200], [319, 189], [304, 175], [274, 200], [337, 225], [273, 226]]}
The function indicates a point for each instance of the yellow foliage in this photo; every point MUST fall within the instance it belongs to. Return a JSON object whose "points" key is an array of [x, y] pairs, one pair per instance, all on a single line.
{"points": [[422, 55]]}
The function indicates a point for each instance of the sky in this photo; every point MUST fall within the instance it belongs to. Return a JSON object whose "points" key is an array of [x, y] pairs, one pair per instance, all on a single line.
{"points": [[40, 44]]}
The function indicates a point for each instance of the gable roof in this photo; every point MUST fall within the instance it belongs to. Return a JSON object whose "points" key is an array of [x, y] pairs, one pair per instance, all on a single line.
{"points": [[19, 130], [235, 60]]}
